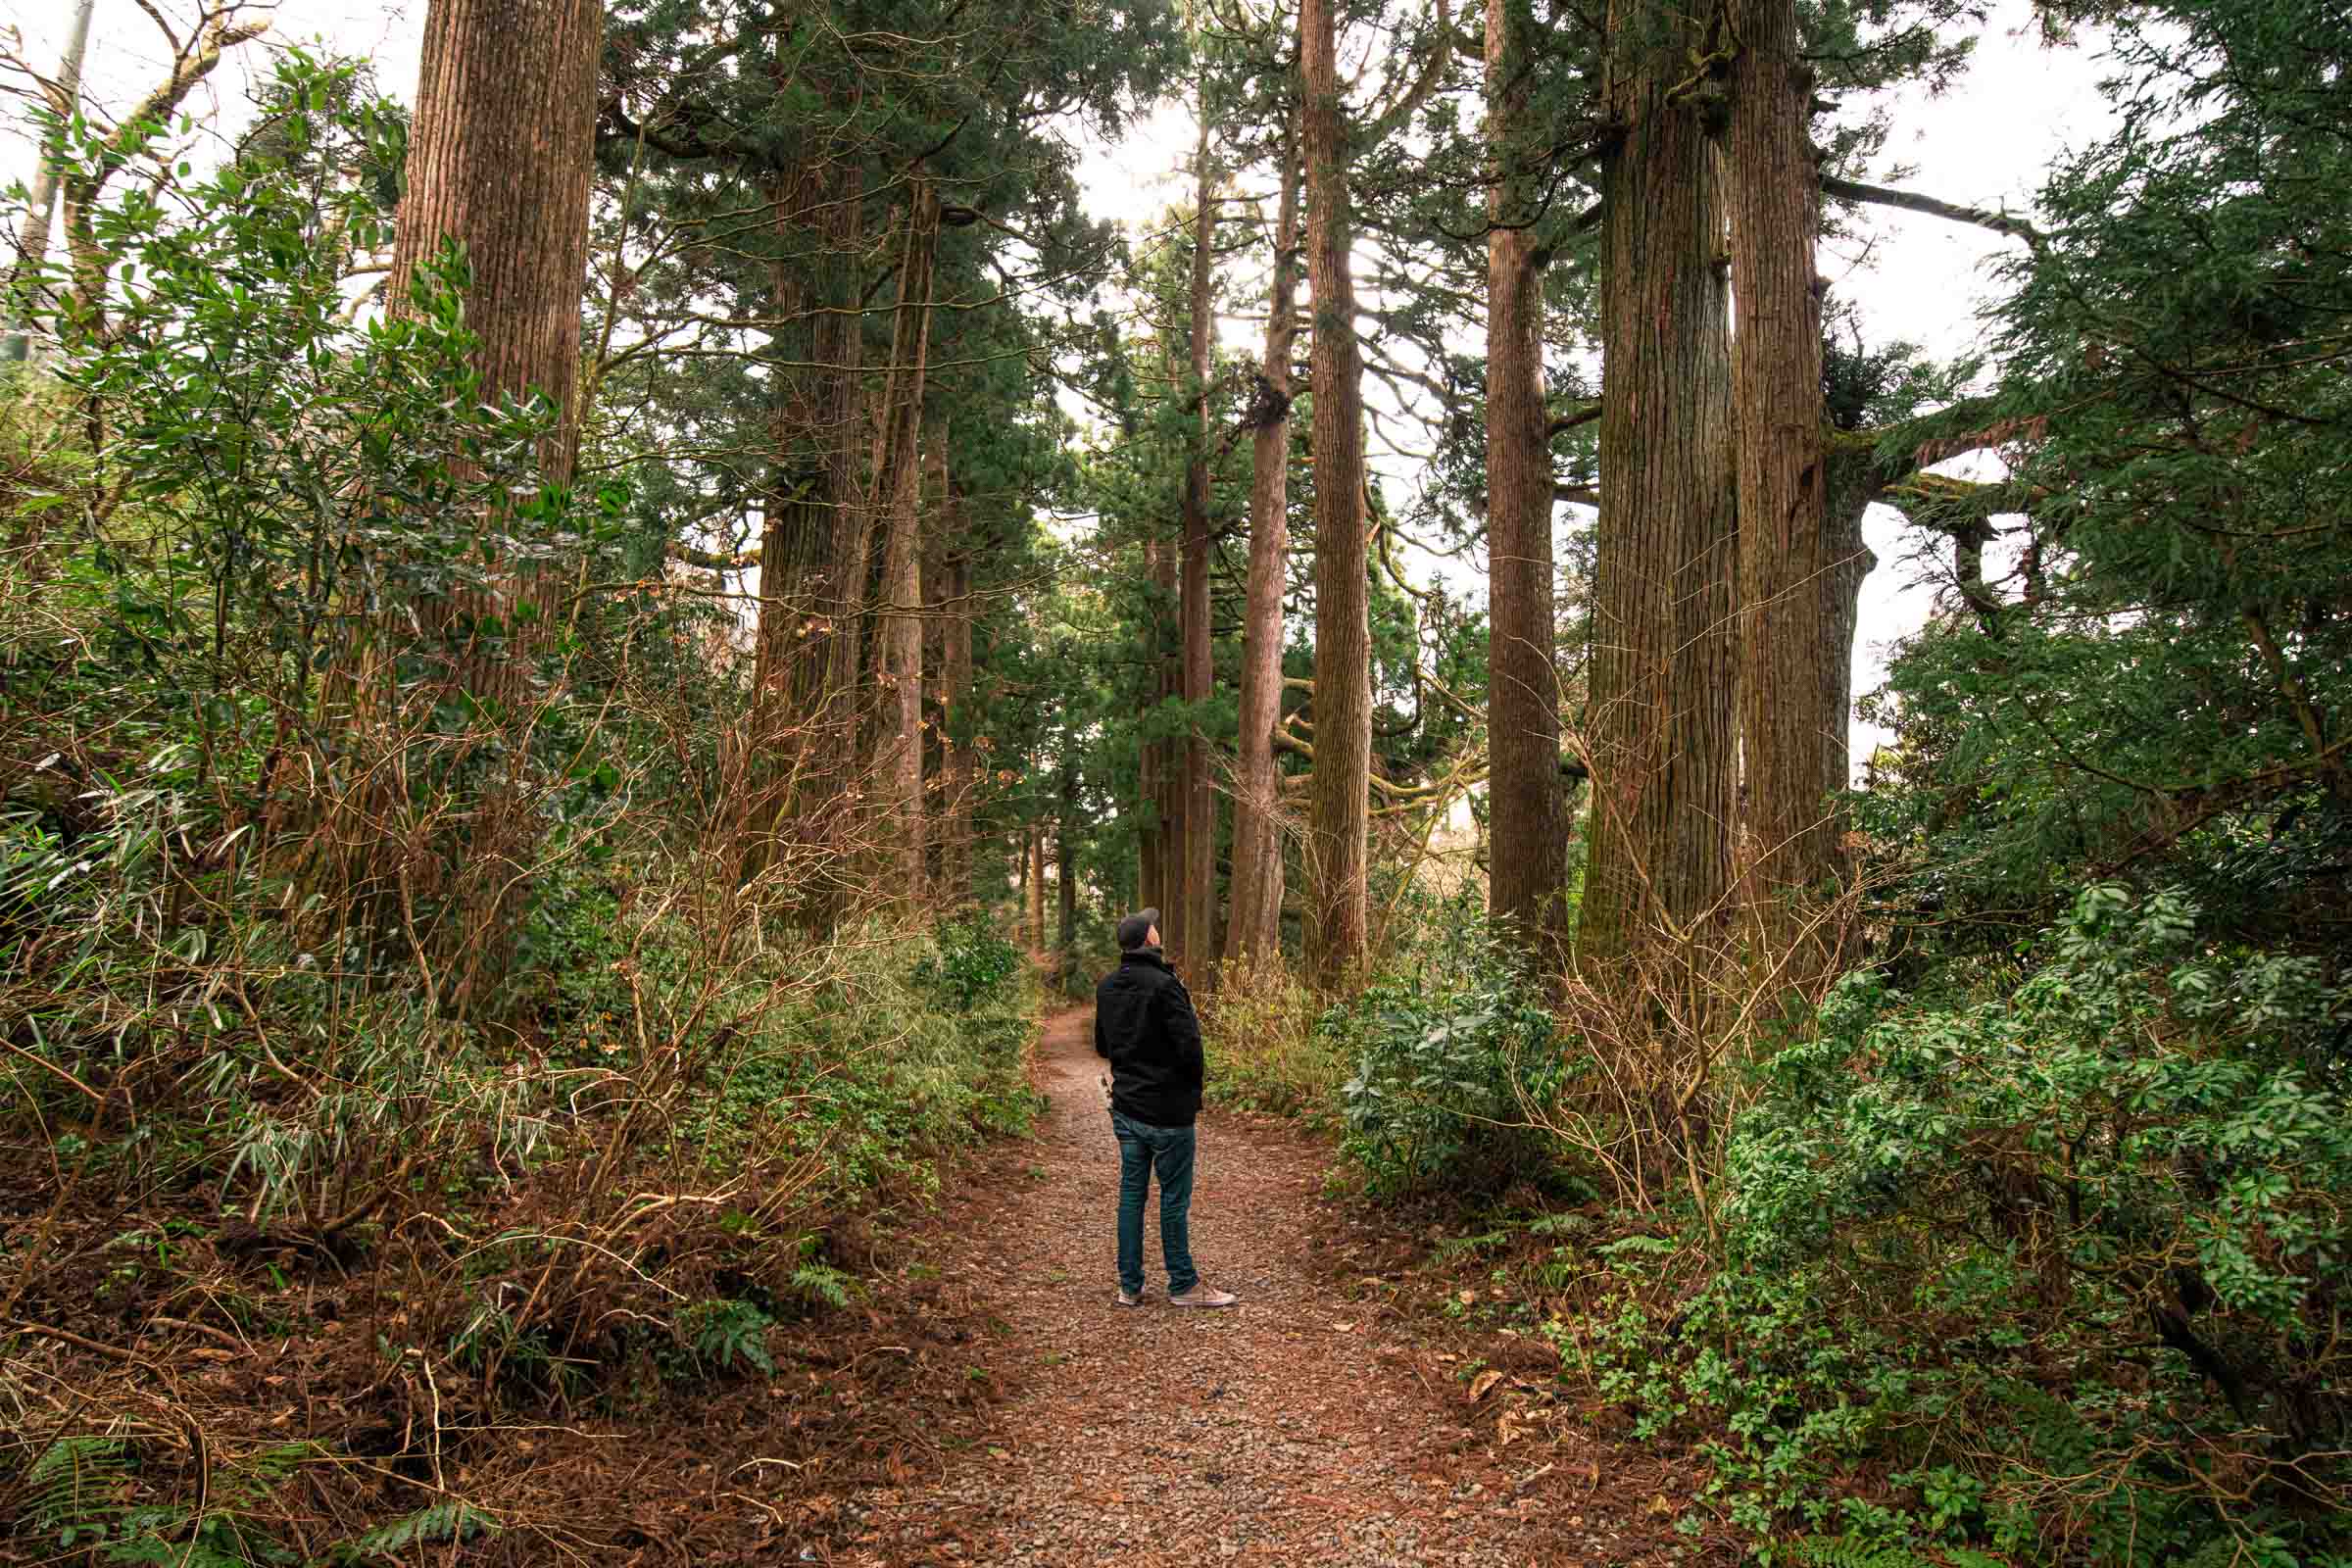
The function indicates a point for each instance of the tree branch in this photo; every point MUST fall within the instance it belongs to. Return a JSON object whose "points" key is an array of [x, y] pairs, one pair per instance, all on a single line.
{"points": [[1849, 190]]}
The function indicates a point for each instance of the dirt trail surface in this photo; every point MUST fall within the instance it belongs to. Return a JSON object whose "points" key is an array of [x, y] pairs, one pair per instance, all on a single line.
{"points": [[1291, 1430]]}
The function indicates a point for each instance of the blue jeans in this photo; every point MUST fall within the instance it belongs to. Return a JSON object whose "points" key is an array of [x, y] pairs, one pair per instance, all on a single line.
{"points": [[1142, 1149]]}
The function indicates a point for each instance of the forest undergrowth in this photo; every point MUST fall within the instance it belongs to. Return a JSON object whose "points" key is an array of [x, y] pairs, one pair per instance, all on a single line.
{"points": [[274, 1294], [2036, 1262]]}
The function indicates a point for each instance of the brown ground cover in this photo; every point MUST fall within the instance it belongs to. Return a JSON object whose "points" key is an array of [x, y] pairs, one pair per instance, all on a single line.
{"points": [[982, 1401]]}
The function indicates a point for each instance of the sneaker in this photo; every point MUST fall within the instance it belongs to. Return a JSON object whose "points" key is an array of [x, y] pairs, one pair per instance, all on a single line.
{"points": [[1128, 1298], [1203, 1295]]}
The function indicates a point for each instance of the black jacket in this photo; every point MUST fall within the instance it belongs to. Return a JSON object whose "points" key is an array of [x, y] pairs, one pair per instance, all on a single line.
{"points": [[1144, 1023]]}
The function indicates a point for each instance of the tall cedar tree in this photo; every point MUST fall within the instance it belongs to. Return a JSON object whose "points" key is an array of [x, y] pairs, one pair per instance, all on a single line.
{"points": [[1526, 878], [1156, 840], [1200, 671], [1794, 666], [1663, 660], [1255, 927], [898, 499], [1340, 820]]}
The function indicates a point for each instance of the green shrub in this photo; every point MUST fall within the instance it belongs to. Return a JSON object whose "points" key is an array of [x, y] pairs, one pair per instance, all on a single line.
{"points": [[1265, 1050], [895, 1049], [972, 965], [2072, 1261], [1453, 1058]]}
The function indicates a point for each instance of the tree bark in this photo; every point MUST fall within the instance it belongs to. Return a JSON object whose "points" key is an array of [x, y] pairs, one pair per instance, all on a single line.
{"points": [[1850, 562], [824, 684], [1254, 923], [1198, 923], [806, 493], [1528, 875], [897, 479], [1663, 662], [1338, 816], [499, 155], [1791, 655], [501, 151]]}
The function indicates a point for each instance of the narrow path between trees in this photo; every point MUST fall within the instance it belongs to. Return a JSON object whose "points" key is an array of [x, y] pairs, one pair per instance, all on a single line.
{"points": [[1293, 1430]]}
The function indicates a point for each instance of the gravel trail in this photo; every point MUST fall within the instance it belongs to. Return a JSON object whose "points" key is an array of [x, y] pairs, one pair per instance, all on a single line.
{"points": [[1285, 1431]]}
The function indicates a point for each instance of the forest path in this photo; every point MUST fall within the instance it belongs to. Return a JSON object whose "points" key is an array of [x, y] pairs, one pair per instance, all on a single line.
{"points": [[1286, 1431]]}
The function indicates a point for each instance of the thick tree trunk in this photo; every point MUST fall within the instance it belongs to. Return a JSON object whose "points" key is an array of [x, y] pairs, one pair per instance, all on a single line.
{"points": [[1790, 580], [846, 437], [823, 687], [1254, 920], [1198, 923], [1338, 818], [1527, 883], [1663, 662], [500, 154], [897, 477], [799, 508]]}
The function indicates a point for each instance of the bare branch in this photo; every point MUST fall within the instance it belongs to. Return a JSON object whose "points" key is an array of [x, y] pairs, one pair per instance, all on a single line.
{"points": [[1849, 190]]}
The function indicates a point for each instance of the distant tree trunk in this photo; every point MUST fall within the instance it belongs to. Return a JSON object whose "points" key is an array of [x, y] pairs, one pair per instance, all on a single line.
{"points": [[964, 760], [500, 154], [1527, 883], [1154, 844], [1020, 870], [1791, 653], [1037, 888], [1254, 920], [1663, 661], [1173, 798], [32, 240], [1198, 923], [897, 479], [1850, 562], [938, 750], [1342, 765], [1065, 863]]}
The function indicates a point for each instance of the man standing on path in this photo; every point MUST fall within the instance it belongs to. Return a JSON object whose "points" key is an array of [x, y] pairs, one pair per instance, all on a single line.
{"points": [[1144, 1024]]}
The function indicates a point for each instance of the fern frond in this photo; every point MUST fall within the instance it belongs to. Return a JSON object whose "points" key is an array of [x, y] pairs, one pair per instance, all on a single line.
{"points": [[443, 1521], [1853, 1551], [825, 1284], [77, 1482]]}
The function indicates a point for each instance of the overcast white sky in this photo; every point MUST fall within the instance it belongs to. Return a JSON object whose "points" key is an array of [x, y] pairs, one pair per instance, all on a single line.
{"points": [[1984, 143]]}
